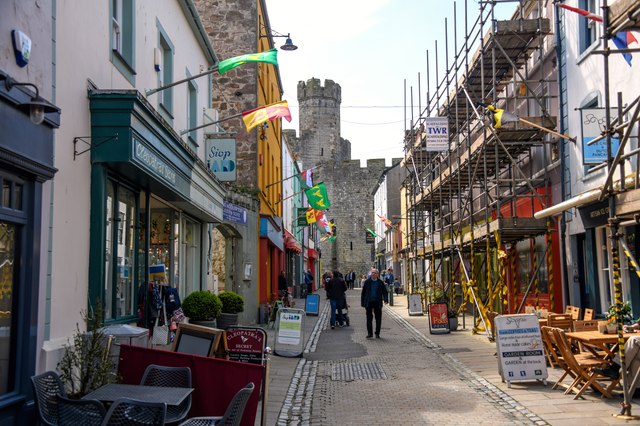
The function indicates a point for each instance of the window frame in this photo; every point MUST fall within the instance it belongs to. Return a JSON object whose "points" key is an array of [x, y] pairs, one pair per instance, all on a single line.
{"points": [[192, 111], [122, 37], [166, 74]]}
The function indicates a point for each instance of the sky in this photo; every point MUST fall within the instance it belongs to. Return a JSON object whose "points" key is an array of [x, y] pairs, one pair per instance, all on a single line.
{"points": [[368, 47]]}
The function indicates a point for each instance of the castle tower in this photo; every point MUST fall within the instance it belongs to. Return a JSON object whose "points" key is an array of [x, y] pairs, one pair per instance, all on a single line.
{"points": [[349, 186]]}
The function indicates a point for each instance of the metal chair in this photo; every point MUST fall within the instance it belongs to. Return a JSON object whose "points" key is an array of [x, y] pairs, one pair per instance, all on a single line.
{"points": [[130, 412], [179, 377], [232, 415], [54, 408]]}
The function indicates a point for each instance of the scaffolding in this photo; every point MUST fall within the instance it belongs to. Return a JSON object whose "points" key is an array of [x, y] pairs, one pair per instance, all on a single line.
{"points": [[468, 207]]}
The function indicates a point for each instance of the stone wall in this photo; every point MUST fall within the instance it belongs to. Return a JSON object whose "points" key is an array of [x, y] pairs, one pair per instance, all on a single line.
{"points": [[232, 29]]}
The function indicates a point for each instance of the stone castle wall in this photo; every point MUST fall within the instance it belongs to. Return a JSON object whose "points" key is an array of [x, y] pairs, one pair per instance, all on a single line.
{"points": [[349, 186]]}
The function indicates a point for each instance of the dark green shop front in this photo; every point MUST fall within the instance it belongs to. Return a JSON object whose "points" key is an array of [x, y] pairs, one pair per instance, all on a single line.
{"points": [[153, 203]]}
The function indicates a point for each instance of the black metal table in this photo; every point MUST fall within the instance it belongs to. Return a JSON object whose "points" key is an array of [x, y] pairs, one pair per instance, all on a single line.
{"points": [[113, 391]]}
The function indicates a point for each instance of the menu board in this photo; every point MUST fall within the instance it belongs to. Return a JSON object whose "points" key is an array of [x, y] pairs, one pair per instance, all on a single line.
{"points": [[245, 344], [438, 318], [520, 350]]}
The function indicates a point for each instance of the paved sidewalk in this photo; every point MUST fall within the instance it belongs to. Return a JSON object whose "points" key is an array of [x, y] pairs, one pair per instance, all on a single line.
{"points": [[311, 391]]}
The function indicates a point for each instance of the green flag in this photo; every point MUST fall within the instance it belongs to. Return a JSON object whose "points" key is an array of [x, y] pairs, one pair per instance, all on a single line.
{"points": [[270, 57], [317, 196], [373, 233]]}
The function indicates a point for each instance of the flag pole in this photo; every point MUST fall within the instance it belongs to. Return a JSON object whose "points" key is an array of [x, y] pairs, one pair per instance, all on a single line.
{"points": [[537, 126], [290, 177], [184, 132], [290, 196], [175, 83]]}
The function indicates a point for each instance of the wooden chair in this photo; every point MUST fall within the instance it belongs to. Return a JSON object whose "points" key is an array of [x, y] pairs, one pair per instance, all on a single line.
{"points": [[575, 313], [548, 337], [562, 321], [585, 325], [582, 368], [588, 314]]}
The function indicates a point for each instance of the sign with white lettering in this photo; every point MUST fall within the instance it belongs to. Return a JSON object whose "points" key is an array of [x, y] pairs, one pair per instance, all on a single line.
{"points": [[520, 351], [245, 344], [233, 213], [221, 158], [436, 133]]}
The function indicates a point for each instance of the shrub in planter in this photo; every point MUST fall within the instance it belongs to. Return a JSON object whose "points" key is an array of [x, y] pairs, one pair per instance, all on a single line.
{"points": [[232, 303], [202, 305]]}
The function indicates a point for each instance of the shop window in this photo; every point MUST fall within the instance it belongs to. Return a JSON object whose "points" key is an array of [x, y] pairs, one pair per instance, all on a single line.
{"points": [[120, 246], [8, 262], [164, 248], [122, 32]]}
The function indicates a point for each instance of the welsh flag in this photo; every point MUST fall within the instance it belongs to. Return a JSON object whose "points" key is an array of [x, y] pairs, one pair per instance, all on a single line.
{"points": [[270, 57], [257, 116], [323, 222], [386, 221], [317, 196], [306, 178]]}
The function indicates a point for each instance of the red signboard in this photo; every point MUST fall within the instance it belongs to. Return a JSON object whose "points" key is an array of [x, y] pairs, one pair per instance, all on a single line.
{"points": [[245, 344], [438, 318]]}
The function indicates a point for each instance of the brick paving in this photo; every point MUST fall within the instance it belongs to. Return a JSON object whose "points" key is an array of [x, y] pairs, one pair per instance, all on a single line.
{"points": [[411, 377]]}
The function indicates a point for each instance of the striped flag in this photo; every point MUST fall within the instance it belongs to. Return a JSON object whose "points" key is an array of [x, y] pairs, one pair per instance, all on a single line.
{"points": [[585, 13], [622, 40], [257, 116], [270, 57]]}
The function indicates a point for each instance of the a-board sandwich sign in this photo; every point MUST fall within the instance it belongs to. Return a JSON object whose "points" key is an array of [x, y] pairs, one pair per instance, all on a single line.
{"points": [[438, 318], [289, 332], [312, 304], [520, 351], [245, 344], [415, 304]]}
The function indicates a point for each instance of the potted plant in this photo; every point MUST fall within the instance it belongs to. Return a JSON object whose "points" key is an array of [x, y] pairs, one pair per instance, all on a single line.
{"points": [[202, 307], [611, 317], [232, 304]]}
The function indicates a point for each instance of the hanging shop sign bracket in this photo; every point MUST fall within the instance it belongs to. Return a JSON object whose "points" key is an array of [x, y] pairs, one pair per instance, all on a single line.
{"points": [[97, 141]]}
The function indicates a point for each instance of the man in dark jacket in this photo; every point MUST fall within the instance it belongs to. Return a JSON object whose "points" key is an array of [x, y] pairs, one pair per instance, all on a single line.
{"points": [[374, 292], [336, 288]]}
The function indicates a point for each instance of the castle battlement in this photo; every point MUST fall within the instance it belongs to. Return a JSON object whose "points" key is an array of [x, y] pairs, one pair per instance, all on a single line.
{"points": [[376, 162], [313, 88]]}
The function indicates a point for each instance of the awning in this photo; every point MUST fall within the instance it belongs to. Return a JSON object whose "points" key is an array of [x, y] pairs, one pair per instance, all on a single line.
{"points": [[313, 254], [290, 242]]}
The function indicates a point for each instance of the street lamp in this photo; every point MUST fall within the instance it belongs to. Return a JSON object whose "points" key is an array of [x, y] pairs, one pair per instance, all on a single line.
{"points": [[288, 44], [37, 106]]}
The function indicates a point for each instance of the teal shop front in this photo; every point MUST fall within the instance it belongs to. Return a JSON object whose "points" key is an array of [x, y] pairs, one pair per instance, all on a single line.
{"points": [[153, 205]]}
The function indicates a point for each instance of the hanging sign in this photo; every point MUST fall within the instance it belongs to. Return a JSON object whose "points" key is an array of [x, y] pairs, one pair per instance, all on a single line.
{"points": [[221, 158], [438, 318], [246, 344], [520, 351], [594, 122], [436, 133]]}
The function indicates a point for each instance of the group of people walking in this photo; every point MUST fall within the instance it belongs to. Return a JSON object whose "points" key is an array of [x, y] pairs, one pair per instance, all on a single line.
{"points": [[374, 294]]}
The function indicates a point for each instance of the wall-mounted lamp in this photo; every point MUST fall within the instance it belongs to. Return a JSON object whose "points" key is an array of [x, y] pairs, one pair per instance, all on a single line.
{"points": [[37, 106], [288, 44]]}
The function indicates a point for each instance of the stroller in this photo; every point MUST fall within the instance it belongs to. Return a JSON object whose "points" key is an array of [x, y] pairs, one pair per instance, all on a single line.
{"points": [[345, 312]]}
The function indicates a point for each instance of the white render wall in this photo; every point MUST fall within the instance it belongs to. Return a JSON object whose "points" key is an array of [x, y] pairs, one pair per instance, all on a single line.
{"points": [[585, 76], [82, 53]]}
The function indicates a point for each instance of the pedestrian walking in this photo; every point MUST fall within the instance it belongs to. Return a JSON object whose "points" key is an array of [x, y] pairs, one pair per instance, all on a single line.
{"points": [[308, 280], [282, 284], [350, 278], [374, 292], [336, 289]]}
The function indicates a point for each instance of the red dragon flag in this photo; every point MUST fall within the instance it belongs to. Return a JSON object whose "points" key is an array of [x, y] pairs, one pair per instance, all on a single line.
{"points": [[385, 220], [257, 116]]}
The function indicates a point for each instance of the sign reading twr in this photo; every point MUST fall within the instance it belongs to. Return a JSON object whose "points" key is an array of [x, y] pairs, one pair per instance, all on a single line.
{"points": [[436, 133]]}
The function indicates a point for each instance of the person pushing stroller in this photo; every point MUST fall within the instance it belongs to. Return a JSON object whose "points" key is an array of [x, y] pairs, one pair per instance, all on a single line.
{"points": [[336, 289]]}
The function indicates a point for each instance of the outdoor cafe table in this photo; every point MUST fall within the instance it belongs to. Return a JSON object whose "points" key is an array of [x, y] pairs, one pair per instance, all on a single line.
{"points": [[594, 339], [113, 391]]}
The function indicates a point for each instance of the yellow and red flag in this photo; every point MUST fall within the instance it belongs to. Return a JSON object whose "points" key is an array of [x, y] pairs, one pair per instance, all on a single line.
{"points": [[386, 221], [311, 216], [257, 116]]}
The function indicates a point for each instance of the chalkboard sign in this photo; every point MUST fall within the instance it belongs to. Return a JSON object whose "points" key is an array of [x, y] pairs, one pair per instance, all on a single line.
{"points": [[520, 351], [438, 318], [197, 340], [312, 304], [245, 344]]}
